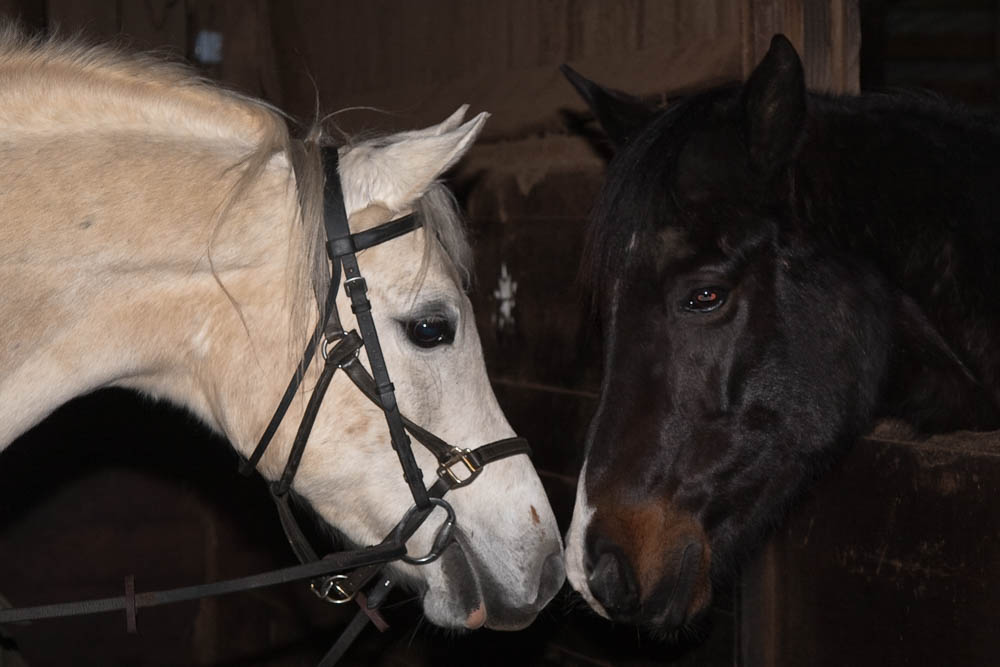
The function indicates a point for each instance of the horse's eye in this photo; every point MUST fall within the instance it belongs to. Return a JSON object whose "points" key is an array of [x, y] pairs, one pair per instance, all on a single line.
{"points": [[705, 299], [430, 331]]}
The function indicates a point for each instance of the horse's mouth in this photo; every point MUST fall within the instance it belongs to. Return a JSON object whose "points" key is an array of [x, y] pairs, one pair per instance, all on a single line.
{"points": [[677, 599], [480, 600], [467, 597], [465, 606]]}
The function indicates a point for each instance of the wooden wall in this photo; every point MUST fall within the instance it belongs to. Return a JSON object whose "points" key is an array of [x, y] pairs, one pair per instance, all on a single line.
{"points": [[948, 46]]}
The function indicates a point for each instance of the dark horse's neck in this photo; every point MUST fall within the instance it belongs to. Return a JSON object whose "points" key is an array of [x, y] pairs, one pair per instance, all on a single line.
{"points": [[912, 185]]}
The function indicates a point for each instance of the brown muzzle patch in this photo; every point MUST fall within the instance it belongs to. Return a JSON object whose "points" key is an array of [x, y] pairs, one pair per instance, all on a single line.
{"points": [[655, 537]]}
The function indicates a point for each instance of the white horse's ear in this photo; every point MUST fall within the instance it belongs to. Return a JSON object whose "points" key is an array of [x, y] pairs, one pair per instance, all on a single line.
{"points": [[397, 170], [447, 125], [451, 122]]}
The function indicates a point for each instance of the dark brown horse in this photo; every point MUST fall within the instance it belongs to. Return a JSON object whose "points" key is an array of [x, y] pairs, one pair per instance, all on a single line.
{"points": [[774, 271]]}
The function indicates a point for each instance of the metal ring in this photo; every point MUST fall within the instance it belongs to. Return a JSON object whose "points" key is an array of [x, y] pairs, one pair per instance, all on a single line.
{"points": [[325, 347], [441, 538], [325, 351], [330, 585]]}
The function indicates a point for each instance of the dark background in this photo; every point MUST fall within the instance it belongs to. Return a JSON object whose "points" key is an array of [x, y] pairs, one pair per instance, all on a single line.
{"points": [[893, 559]]}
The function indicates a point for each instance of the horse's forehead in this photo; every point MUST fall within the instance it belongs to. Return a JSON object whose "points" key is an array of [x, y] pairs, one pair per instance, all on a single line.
{"points": [[655, 250], [697, 152], [673, 244], [401, 262]]}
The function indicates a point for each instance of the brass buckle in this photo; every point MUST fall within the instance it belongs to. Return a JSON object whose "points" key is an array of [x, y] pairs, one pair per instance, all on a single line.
{"points": [[462, 456], [331, 585]]}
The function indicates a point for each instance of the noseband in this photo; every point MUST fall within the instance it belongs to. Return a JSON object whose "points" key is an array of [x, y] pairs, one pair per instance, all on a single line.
{"points": [[340, 350]]}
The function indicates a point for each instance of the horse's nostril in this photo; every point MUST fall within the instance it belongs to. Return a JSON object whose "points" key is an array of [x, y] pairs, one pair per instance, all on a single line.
{"points": [[612, 582]]}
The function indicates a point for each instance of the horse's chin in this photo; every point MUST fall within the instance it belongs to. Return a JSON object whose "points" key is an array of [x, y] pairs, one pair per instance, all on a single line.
{"points": [[466, 597], [460, 603]]}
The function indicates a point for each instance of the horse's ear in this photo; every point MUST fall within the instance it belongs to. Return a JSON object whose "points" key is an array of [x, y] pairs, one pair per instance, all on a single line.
{"points": [[447, 125], [452, 122], [619, 114], [774, 102], [396, 170]]}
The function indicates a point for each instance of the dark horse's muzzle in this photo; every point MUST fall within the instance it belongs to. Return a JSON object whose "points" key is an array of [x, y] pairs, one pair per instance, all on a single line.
{"points": [[647, 564]]}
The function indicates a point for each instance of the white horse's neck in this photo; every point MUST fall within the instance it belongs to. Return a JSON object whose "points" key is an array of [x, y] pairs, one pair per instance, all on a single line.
{"points": [[116, 221], [100, 280]]}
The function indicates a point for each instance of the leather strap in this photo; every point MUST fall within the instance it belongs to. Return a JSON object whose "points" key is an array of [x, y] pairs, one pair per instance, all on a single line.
{"points": [[335, 220], [328, 329], [336, 562], [366, 384], [250, 465], [441, 449], [353, 243], [345, 350], [344, 641], [130, 622], [293, 532]]}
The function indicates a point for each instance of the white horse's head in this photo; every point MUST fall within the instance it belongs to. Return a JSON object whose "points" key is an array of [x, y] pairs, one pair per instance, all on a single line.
{"points": [[151, 240], [506, 563]]}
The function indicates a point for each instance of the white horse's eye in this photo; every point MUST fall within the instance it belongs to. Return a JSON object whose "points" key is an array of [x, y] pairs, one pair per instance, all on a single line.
{"points": [[430, 331]]}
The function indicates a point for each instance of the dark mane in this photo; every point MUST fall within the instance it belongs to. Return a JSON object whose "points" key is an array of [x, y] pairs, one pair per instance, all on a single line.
{"points": [[635, 189]]}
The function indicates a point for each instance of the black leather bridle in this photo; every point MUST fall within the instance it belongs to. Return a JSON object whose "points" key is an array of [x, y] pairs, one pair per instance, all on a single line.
{"points": [[340, 349], [456, 466]]}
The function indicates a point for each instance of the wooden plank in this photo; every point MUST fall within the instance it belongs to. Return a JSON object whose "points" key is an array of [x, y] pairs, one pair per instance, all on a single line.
{"points": [[97, 19], [28, 13], [155, 24], [945, 46], [248, 61], [889, 560], [848, 35], [509, 57]]}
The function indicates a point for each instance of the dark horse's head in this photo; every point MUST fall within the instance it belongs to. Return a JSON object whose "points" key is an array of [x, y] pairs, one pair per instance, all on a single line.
{"points": [[741, 353]]}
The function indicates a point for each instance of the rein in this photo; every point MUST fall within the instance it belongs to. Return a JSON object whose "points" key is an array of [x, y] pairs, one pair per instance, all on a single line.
{"points": [[340, 350]]}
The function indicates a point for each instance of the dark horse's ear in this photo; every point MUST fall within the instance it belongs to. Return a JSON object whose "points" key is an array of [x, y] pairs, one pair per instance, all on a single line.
{"points": [[620, 114], [774, 102]]}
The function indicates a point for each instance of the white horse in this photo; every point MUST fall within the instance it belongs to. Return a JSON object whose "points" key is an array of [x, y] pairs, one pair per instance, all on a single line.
{"points": [[162, 234]]}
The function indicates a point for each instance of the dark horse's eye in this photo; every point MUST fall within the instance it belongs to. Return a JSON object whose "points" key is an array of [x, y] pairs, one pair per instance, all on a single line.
{"points": [[430, 331], [705, 299]]}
